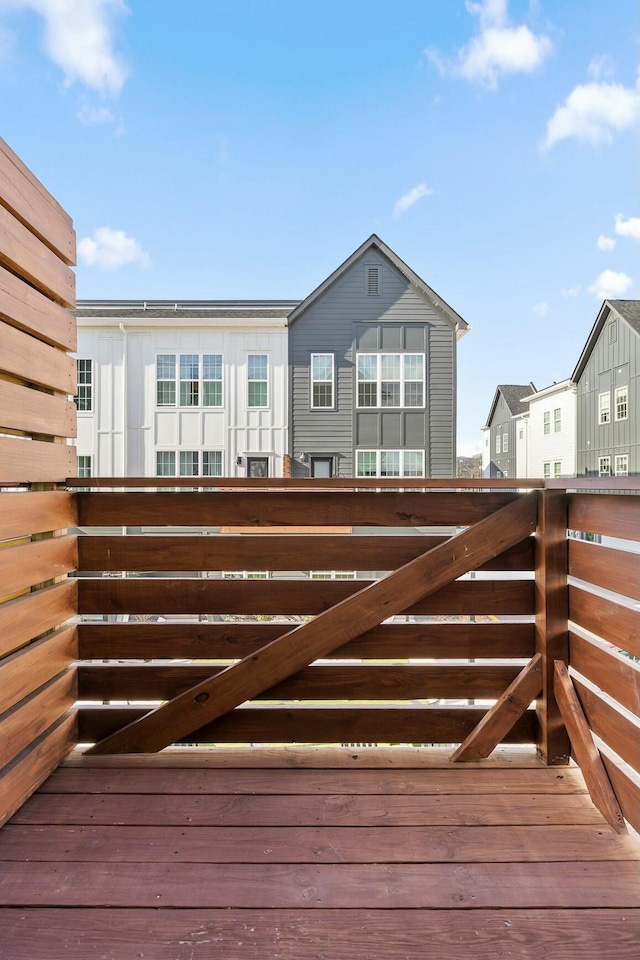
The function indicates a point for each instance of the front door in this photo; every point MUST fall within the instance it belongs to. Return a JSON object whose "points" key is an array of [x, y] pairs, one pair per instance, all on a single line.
{"points": [[321, 466], [257, 467]]}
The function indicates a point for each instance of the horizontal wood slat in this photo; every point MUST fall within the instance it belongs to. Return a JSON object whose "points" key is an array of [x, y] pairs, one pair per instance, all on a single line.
{"points": [[23, 725], [25, 254], [35, 562], [293, 508], [608, 515], [26, 308], [627, 790], [30, 202], [34, 665], [34, 362], [317, 725], [25, 774], [613, 622], [24, 514], [315, 483], [290, 597], [32, 411], [234, 641], [263, 553], [616, 675], [27, 617], [35, 461], [617, 730], [121, 682], [615, 570]]}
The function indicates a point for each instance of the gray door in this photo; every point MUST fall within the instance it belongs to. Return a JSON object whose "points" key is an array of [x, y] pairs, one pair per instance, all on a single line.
{"points": [[257, 467], [321, 466]]}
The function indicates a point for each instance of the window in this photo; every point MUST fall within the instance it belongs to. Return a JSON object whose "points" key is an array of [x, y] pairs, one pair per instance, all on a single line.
{"points": [[546, 422], [498, 443], [245, 575], [557, 420], [604, 466], [505, 442], [189, 380], [84, 398], [321, 380], [390, 463], [373, 281], [189, 463], [621, 465], [622, 395], [212, 380], [165, 463], [332, 574], [546, 470], [193, 390], [212, 463], [165, 379], [257, 395], [390, 379], [84, 466], [557, 468], [604, 408]]}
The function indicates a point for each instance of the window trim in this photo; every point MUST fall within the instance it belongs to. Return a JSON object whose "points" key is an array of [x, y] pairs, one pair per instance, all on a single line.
{"points": [[89, 384], [403, 380], [616, 465], [606, 472], [505, 443], [401, 451], [557, 419], [177, 380], [604, 410], [546, 423], [89, 458], [313, 381], [265, 380], [178, 452], [618, 401]]}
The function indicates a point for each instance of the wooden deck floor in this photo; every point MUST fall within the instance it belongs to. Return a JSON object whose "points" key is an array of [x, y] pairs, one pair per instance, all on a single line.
{"points": [[179, 858]]}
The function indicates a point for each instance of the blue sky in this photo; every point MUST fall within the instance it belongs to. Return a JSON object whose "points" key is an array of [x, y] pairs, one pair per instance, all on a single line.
{"points": [[215, 150]]}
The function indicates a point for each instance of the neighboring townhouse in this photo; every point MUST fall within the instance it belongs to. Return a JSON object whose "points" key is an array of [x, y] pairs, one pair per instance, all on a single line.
{"points": [[552, 432], [502, 445], [373, 373], [203, 388], [607, 381], [182, 388]]}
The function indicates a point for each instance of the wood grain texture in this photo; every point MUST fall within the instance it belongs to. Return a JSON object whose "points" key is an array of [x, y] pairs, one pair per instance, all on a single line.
{"points": [[27, 256], [119, 934], [233, 641], [29, 201], [504, 713], [26, 308], [613, 622], [626, 789], [619, 732], [585, 750], [20, 727], [616, 570], [23, 514], [607, 515], [616, 675], [36, 664], [35, 362], [319, 483], [35, 461], [26, 618], [32, 411], [33, 563], [341, 623]]}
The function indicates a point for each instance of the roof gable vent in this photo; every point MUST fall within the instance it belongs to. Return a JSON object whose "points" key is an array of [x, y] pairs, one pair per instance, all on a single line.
{"points": [[373, 281]]}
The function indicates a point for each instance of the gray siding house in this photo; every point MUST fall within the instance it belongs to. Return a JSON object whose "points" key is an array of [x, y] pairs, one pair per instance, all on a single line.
{"points": [[372, 354], [607, 379], [500, 429]]}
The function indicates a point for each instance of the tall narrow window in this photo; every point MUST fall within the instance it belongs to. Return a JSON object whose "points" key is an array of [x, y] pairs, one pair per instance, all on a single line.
{"points": [[622, 396], [389, 463], [321, 380], [367, 380], [498, 442], [84, 397], [557, 420], [189, 379], [212, 463], [505, 442], [189, 463], [257, 394], [546, 422], [604, 408], [622, 465], [84, 466], [166, 380], [557, 468], [413, 379], [604, 466], [212, 380], [165, 463], [366, 463], [546, 470]]}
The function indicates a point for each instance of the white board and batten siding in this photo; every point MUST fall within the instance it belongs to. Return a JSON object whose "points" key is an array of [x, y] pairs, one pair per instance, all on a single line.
{"points": [[553, 410]]}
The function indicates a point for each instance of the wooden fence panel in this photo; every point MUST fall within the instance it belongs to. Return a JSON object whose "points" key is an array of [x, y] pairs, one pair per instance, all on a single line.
{"points": [[616, 675], [618, 624], [37, 561], [25, 254], [615, 570], [613, 727], [36, 664], [27, 513], [35, 362], [26, 308], [607, 515], [34, 411]]}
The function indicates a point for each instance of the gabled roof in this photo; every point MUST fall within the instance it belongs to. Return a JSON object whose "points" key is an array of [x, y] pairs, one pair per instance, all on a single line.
{"points": [[374, 242], [627, 310], [514, 396]]}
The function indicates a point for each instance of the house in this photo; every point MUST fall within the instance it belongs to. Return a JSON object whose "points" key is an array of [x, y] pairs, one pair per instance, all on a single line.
{"points": [[503, 429], [552, 432], [203, 388], [373, 372], [607, 383]]}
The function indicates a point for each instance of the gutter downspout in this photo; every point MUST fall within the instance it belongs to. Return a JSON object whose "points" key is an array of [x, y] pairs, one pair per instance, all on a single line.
{"points": [[125, 413]]}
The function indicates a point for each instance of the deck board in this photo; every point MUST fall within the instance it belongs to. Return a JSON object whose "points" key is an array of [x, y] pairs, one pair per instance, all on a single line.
{"points": [[185, 857]]}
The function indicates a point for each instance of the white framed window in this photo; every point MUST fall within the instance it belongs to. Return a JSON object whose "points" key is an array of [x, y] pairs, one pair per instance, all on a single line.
{"points": [[604, 466], [332, 574], [604, 408], [557, 468], [189, 380], [621, 464], [245, 575], [189, 463], [165, 463], [373, 284], [546, 422], [322, 379], [390, 379], [390, 463], [85, 466], [622, 403], [166, 380], [212, 380], [505, 442], [212, 463], [546, 470], [84, 397], [557, 420], [498, 443], [257, 380]]}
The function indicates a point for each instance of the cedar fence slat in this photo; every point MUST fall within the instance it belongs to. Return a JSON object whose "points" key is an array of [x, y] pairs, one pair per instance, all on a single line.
{"points": [[313, 483], [35, 362], [27, 256], [24, 514], [36, 664], [615, 674], [26, 308], [31, 461], [627, 790], [27, 617], [31, 717], [613, 622], [616, 730], [615, 570], [608, 515], [32, 563], [33, 411]]}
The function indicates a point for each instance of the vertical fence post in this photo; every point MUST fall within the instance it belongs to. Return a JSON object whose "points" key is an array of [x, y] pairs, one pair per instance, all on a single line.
{"points": [[552, 614]]}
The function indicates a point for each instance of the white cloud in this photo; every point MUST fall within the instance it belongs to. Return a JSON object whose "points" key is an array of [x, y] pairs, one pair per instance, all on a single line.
{"points": [[606, 243], [570, 292], [601, 67], [92, 115], [498, 49], [402, 205], [610, 285], [78, 37], [540, 309], [628, 228], [110, 249], [591, 113]]}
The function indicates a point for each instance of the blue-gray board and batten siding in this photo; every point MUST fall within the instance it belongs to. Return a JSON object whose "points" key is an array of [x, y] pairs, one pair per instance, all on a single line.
{"points": [[345, 318]]}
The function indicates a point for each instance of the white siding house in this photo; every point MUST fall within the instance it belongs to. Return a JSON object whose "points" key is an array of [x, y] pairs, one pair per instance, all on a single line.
{"points": [[552, 431]]}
